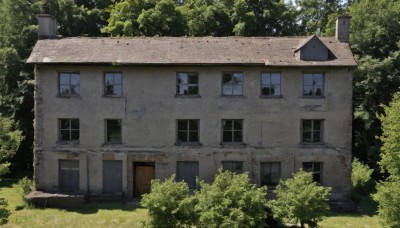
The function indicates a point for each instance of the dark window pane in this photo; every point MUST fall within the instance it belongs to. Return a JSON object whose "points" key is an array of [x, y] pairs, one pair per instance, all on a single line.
{"points": [[193, 136], [308, 91], [74, 89], [109, 90], [64, 90], [308, 166], [317, 166], [227, 136], [113, 130], [65, 135], [193, 79], [74, 124], [318, 91], [226, 78], [227, 125], [238, 136], [307, 137], [317, 136], [317, 125], [307, 125], [316, 177], [237, 124], [193, 125], [266, 90], [64, 124], [182, 136], [75, 135], [193, 89], [182, 125]]}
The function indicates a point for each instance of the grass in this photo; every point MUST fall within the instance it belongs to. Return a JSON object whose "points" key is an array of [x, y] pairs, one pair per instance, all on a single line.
{"points": [[122, 215], [89, 215]]}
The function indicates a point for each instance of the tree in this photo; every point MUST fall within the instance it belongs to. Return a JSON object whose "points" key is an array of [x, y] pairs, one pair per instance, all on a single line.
{"points": [[299, 199], [169, 204], [231, 201], [375, 41], [388, 198]]}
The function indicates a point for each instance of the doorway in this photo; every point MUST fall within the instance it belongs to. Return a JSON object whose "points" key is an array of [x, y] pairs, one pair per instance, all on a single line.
{"points": [[143, 173]]}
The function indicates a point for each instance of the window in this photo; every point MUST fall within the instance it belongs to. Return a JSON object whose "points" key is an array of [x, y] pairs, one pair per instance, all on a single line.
{"points": [[187, 83], [69, 84], [68, 130], [233, 166], [113, 131], [188, 171], [315, 168], [113, 84], [232, 83], [68, 175], [271, 84], [270, 173], [232, 131], [312, 131], [313, 85], [188, 131]]}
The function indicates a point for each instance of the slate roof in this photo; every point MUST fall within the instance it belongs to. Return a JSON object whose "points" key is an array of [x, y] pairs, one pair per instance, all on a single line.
{"points": [[264, 51]]}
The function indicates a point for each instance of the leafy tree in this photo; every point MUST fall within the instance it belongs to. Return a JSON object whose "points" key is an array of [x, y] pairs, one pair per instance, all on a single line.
{"points": [[165, 19], [299, 199], [388, 197], [169, 204], [375, 41], [231, 201], [360, 175]]}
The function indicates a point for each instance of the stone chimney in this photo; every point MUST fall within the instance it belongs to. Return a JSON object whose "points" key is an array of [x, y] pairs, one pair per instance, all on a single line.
{"points": [[47, 26], [343, 28]]}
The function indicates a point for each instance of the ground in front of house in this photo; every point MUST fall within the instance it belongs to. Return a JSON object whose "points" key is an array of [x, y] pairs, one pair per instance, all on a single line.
{"points": [[127, 215]]}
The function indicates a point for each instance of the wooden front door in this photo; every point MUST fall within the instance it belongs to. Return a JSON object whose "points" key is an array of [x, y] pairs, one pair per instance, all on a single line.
{"points": [[144, 173]]}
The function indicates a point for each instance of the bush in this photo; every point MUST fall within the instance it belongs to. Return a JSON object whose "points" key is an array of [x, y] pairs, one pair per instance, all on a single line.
{"points": [[25, 186], [299, 199], [4, 212], [360, 175], [388, 197], [231, 201], [169, 204]]}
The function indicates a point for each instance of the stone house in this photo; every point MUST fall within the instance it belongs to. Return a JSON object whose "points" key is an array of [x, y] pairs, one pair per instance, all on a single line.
{"points": [[114, 113]]}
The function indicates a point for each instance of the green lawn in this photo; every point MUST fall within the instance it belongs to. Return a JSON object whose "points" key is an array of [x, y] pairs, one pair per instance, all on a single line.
{"points": [[122, 215], [89, 215]]}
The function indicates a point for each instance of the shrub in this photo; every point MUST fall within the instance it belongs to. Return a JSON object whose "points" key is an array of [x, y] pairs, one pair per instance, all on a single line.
{"points": [[388, 197], [25, 186], [169, 204], [360, 175], [4, 212], [231, 201], [299, 199]]}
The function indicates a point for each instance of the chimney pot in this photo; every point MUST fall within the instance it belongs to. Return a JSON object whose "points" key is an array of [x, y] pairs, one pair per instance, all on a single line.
{"points": [[47, 26], [343, 28]]}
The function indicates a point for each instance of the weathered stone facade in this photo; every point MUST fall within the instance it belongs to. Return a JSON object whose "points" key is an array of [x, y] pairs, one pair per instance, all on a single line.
{"points": [[149, 109]]}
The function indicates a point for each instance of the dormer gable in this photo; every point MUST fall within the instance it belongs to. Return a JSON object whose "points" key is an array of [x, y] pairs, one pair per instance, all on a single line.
{"points": [[313, 49]]}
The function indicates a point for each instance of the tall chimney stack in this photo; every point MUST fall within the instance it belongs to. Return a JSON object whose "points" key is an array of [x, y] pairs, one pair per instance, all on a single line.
{"points": [[47, 26], [343, 28]]}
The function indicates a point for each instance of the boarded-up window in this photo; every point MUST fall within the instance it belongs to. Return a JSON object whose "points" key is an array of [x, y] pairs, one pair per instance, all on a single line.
{"points": [[188, 171], [233, 166], [69, 175], [112, 176], [270, 173]]}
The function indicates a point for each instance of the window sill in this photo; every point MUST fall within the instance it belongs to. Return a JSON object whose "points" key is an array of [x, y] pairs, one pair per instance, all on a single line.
{"points": [[233, 144], [113, 96], [187, 96], [313, 97], [67, 142], [311, 145], [68, 96], [233, 96], [270, 97], [189, 144]]}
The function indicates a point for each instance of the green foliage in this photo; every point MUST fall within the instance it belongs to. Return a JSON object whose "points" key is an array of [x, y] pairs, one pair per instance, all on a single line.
{"points": [[299, 199], [360, 175], [169, 204], [388, 197], [4, 212], [231, 201], [25, 186], [10, 140]]}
